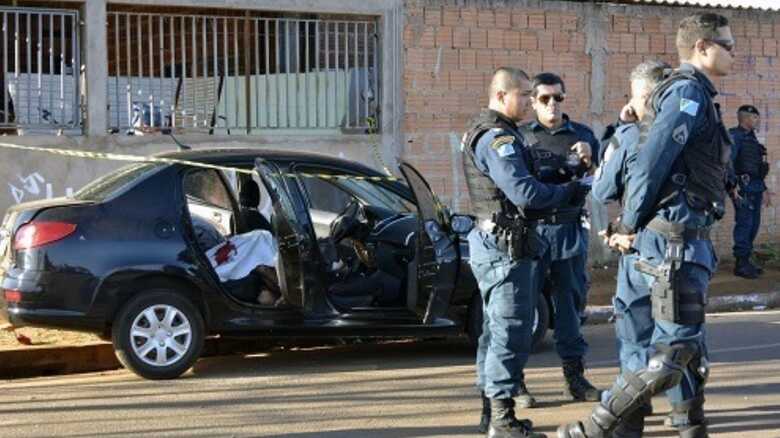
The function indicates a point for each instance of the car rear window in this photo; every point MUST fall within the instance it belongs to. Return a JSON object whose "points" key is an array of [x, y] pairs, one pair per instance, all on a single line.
{"points": [[109, 184]]}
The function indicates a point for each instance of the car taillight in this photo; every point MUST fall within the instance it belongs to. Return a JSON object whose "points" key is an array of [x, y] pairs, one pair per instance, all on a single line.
{"points": [[12, 296], [37, 234]]}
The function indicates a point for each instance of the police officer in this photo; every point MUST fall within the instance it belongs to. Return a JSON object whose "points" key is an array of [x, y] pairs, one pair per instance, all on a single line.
{"points": [[504, 250], [561, 151], [633, 315], [748, 171], [675, 192]]}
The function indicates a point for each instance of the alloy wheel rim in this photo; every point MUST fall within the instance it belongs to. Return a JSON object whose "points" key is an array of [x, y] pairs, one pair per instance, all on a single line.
{"points": [[160, 335]]}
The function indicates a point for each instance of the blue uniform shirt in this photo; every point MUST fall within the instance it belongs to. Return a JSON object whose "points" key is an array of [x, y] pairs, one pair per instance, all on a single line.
{"points": [[506, 166], [740, 137], [681, 115], [612, 176], [567, 240]]}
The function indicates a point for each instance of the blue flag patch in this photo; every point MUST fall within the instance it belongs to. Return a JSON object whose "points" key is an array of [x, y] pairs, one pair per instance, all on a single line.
{"points": [[690, 107]]}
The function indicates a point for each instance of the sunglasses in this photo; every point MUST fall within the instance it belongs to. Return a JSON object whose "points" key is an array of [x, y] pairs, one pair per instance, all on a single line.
{"points": [[727, 45], [545, 98]]}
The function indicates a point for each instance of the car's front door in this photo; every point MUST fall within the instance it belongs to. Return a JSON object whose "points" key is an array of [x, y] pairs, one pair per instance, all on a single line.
{"points": [[288, 230], [437, 253]]}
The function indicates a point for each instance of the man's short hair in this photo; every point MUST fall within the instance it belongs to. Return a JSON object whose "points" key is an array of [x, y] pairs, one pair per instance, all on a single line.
{"points": [[652, 72], [506, 79], [698, 27], [748, 109], [547, 78]]}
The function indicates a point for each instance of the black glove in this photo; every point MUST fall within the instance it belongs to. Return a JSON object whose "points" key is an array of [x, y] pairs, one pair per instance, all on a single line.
{"points": [[577, 193]]}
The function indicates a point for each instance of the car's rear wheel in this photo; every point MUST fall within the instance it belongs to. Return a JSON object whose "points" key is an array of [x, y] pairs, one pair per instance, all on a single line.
{"points": [[158, 334], [540, 325]]}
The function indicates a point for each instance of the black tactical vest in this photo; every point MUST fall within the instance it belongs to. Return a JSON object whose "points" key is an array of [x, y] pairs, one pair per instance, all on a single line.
{"points": [[486, 198], [751, 159], [549, 154], [700, 169]]}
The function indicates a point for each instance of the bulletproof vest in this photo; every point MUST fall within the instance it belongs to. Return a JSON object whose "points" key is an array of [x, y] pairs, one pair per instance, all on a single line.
{"points": [[549, 155], [751, 158], [486, 198], [700, 169]]}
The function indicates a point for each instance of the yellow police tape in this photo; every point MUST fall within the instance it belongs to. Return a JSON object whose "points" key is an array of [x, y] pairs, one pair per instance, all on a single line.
{"points": [[164, 160]]}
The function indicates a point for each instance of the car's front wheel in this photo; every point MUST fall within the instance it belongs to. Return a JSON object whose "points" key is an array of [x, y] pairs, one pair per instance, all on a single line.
{"points": [[158, 334]]}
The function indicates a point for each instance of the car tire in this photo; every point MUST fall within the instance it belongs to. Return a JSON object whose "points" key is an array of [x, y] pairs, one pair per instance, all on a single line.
{"points": [[474, 327], [158, 334]]}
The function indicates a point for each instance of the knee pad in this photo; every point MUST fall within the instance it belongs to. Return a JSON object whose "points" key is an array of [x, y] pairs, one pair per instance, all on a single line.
{"points": [[633, 390]]}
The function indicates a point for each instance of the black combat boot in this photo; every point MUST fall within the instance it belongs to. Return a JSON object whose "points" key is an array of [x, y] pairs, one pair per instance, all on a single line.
{"points": [[759, 270], [634, 424], [484, 420], [577, 386], [524, 398], [688, 418], [504, 424], [743, 268]]}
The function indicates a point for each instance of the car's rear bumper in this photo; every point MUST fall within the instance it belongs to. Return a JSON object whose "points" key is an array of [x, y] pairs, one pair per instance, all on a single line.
{"points": [[44, 302]]}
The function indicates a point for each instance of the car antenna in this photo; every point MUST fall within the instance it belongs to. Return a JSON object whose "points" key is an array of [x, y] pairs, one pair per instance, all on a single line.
{"points": [[182, 146]]}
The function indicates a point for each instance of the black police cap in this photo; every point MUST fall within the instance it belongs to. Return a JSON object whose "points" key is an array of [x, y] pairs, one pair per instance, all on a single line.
{"points": [[748, 109]]}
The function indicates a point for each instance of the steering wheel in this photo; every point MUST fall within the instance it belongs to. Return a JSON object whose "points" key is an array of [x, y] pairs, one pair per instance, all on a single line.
{"points": [[347, 222], [353, 222]]}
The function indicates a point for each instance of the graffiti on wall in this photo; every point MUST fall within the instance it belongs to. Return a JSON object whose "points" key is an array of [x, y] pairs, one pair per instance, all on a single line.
{"points": [[33, 186]]}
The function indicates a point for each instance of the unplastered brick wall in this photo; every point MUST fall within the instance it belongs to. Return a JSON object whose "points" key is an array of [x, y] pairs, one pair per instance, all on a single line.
{"points": [[452, 47]]}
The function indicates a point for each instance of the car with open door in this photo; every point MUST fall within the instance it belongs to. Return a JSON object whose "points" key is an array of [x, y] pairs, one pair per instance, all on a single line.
{"points": [[157, 256]]}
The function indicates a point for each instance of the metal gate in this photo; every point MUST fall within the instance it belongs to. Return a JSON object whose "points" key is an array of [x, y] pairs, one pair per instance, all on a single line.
{"points": [[39, 61]]}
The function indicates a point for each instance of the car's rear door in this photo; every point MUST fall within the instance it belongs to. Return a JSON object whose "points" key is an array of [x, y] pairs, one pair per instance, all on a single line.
{"points": [[437, 254]]}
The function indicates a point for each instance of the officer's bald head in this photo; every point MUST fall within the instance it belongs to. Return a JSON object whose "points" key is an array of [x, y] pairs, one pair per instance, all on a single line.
{"points": [[509, 93], [506, 79]]}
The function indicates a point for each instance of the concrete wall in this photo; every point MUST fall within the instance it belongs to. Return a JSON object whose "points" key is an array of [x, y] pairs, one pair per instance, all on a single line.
{"points": [[452, 47]]}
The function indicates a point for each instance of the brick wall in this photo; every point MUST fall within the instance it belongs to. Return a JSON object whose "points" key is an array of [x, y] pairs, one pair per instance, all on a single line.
{"points": [[452, 47]]}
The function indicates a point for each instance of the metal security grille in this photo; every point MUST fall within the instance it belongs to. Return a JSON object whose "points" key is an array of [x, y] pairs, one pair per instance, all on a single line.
{"points": [[240, 74], [39, 59]]}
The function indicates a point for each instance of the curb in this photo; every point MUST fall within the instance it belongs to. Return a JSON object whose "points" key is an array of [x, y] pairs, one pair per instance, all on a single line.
{"points": [[37, 362], [720, 304]]}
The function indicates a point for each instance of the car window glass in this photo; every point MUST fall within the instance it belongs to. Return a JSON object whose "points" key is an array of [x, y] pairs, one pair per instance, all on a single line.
{"points": [[209, 199], [105, 186], [325, 196], [206, 186], [372, 193]]}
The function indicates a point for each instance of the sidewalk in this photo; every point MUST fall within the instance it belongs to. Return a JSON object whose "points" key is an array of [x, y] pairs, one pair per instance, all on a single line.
{"points": [[61, 352]]}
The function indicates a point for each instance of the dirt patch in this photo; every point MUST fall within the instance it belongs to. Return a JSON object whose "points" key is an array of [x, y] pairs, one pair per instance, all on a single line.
{"points": [[44, 338]]}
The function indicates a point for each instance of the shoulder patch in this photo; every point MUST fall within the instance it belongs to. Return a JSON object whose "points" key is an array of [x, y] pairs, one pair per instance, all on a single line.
{"points": [[502, 140], [503, 145], [680, 134], [690, 107]]}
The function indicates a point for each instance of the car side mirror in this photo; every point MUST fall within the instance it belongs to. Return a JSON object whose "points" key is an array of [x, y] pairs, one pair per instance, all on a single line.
{"points": [[461, 223]]}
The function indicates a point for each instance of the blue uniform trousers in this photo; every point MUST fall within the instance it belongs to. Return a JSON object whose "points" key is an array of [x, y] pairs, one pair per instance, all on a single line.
{"points": [[508, 290], [568, 281], [638, 332], [747, 218]]}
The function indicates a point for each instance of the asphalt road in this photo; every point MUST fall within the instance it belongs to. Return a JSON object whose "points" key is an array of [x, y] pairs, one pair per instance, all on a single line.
{"points": [[400, 389]]}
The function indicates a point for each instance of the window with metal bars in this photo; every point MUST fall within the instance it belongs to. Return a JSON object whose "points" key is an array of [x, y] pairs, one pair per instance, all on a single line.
{"points": [[39, 73], [241, 74]]}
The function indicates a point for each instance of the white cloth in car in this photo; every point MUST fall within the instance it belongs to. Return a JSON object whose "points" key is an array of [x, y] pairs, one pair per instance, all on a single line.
{"points": [[240, 254]]}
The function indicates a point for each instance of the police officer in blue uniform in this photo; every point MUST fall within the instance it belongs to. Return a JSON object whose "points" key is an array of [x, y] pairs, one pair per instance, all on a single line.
{"points": [[748, 171], [505, 251], [633, 316], [675, 192], [561, 151]]}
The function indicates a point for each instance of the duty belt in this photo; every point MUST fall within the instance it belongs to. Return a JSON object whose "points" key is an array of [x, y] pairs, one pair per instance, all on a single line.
{"points": [[675, 231], [554, 217]]}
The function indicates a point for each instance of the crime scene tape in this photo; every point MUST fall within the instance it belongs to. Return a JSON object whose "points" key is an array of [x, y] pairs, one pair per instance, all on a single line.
{"points": [[75, 153]]}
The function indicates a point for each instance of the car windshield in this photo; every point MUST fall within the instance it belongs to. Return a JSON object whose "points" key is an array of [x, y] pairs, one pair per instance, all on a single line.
{"points": [[105, 186], [374, 194]]}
